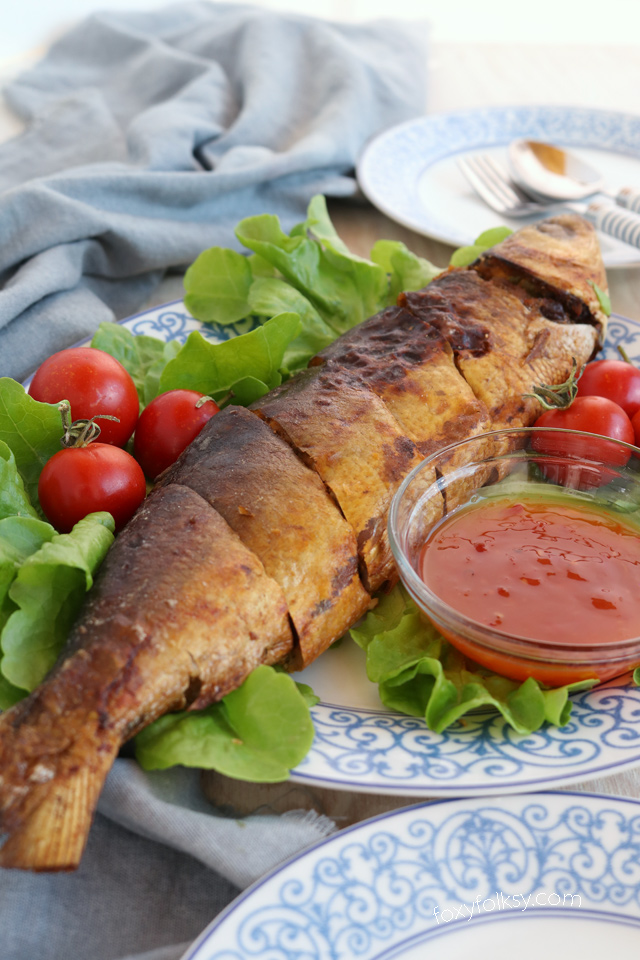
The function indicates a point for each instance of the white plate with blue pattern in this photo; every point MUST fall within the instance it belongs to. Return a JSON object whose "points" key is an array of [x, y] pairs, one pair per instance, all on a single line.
{"points": [[411, 174], [360, 746], [537, 875]]}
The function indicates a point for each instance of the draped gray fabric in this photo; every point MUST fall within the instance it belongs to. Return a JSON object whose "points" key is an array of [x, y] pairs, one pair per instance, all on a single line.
{"points": [[150, 135], [161, 862]]}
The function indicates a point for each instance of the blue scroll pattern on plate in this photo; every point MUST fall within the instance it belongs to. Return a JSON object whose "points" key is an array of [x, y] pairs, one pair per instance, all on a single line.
{"points": [[386, 751], [173, 322], [358, 894]]}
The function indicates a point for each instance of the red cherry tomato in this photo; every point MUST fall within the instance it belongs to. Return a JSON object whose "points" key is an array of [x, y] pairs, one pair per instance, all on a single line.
{"points": [[94, 383], [167, 426], [595, 415], [81, 480], [614, 379]]}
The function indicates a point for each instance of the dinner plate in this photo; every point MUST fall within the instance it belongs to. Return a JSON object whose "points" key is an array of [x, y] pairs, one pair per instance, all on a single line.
{"points": [[411, 174], [537, 875], [359, 745]]}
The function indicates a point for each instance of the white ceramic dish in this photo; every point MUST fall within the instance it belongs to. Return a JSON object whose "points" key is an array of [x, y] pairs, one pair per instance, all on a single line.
{"points": [[535, 875], [360, 746], [411, 174]]}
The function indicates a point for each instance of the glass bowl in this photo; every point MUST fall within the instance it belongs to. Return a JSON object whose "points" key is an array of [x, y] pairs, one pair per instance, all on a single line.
{"points": [[575, 468]]}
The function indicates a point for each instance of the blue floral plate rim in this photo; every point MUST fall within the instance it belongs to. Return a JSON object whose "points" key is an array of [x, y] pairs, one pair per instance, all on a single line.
{"points": [[393, 165], [383, 886]]}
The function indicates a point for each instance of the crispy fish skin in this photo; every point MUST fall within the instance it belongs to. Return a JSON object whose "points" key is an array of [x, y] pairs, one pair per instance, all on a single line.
{"points": [[557, 260], [281, 511], [346, 433], [181, 613], [410, 366], [504, 346], [515, 347]]}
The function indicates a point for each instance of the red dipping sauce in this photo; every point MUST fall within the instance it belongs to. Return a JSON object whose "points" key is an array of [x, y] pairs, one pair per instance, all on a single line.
{"points": [[542, 569]]}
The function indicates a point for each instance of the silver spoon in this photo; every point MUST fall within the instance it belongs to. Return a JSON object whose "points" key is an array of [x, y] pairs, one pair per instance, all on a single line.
{"points": [[547, 172], [493, 184]]}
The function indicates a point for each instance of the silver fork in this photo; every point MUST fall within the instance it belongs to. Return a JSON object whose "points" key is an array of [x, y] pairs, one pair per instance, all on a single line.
{"points": [[493, 184]]}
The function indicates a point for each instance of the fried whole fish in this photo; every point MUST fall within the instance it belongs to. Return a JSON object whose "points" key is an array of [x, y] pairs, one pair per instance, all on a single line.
{"points": [[265, 541]]}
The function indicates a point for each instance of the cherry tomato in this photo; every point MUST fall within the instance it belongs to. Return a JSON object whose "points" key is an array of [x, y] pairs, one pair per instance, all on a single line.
{"points": [[167, 426], [614, 379], [592, 415], [81, 480], [94, 383]]}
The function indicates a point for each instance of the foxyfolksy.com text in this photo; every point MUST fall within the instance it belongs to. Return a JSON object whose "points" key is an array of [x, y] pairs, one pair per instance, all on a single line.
{"points": [[501, 901]]}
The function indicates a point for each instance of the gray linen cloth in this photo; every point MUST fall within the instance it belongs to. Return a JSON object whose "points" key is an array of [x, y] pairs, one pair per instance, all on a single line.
{"points": [[148, 137], [159, 865]]}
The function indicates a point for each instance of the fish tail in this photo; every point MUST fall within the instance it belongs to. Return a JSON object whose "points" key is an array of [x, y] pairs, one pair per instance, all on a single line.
{"points": [[52, 830], [50, 781]]}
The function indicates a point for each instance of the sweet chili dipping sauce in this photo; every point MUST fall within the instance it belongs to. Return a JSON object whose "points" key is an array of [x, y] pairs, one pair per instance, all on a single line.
{"points": [[543, 569]]}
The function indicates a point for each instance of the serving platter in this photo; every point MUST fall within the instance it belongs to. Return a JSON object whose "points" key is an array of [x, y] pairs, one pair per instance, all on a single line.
{"points": [[461, 878], [410, 172], [360, 746]]}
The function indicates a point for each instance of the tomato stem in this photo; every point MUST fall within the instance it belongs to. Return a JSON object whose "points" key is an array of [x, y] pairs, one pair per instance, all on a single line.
{"points": [[558, 396], [80, 433], [623, 353], [221, 401]]}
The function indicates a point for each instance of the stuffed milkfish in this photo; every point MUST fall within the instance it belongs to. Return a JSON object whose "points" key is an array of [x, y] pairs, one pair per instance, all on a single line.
{"points": [[266, 540]]}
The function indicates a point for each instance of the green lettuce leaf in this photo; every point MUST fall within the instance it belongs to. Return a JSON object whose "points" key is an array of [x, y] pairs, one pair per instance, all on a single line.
{"points": [[31, 430], [261, 267], [603, 298], [307, 694], [47, 591], [19, 538], [493, 236], [463, 256], [248, 389], [406, 270], [384, 617], [217, 286], [344, 288], [14, 501], [143, 357], [9, 695], [318, 224], [310, 272], [419, 673], [153, 374], [257, 733], [214, 368], [270, 296]]}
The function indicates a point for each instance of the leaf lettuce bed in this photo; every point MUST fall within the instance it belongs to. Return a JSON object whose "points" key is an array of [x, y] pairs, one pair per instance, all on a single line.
{"points": [[419, 673]]}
